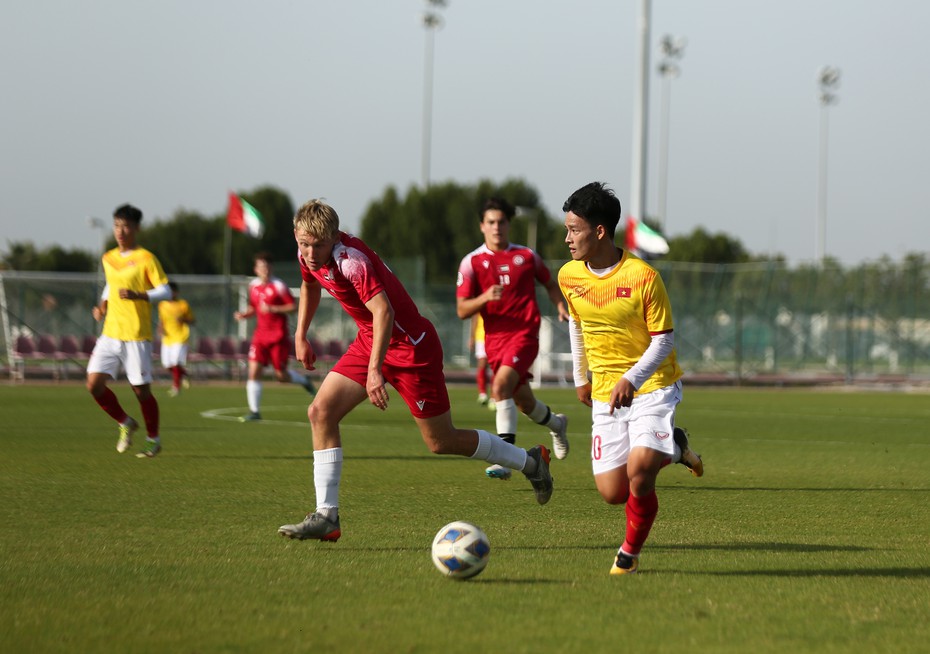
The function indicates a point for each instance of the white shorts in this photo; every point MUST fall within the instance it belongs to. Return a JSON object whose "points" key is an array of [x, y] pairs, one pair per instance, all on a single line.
{"points": [[648, 422], [135, 357], [173, 355], [480, 352]]}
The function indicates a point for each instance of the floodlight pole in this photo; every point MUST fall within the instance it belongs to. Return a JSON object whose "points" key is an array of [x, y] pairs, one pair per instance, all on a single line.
{"points": [[432, 21], [828, 79], [97, 223], [672, 49], [640, 117]]}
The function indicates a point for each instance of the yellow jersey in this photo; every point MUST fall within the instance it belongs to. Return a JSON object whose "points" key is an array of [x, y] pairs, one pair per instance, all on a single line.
{"points": [[618, 314], [175, 316], [137, 270]]}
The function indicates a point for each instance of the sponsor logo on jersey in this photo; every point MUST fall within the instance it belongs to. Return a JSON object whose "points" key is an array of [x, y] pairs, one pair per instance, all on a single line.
{"points": [[579, 291], [624, 292], [421, 404]]}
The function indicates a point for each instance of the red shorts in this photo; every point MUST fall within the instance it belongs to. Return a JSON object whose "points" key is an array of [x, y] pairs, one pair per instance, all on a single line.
{"points": [[276, 353], [517, 353], [415, 372]]}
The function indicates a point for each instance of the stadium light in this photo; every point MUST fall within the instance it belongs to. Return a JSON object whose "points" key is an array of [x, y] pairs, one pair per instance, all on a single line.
{"points": [[828, 79], [432, 21], [672, 50]]}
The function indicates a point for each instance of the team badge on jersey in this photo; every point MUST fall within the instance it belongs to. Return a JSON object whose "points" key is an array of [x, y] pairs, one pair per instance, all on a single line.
{"points": [[518, 260], [624, 292]]}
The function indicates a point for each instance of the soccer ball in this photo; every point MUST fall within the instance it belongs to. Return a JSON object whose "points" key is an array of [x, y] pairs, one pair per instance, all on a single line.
{"points": [[461, 550]]}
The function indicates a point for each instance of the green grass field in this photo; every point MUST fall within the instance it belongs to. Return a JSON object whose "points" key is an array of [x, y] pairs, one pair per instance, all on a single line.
{"points": [[810, 532]]}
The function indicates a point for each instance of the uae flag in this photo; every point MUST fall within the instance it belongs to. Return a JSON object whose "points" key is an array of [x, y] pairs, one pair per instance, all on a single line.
{"points": [[243, 217], [644, 241]]}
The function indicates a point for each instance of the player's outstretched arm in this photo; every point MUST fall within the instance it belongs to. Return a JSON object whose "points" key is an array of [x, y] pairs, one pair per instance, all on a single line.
{"points": [[310, 293], [382, 325]]}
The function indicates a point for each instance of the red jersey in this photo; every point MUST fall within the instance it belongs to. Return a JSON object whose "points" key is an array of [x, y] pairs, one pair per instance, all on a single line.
{"points": [[355, 275], [269, 327], [517, 269]]}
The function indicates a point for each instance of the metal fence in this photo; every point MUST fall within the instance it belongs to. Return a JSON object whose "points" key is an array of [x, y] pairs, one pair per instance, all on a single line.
{"points": [[738, 323]]}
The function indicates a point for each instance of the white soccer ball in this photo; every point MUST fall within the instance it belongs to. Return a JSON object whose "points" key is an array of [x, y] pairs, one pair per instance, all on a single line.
{"points": [[461, 550]]}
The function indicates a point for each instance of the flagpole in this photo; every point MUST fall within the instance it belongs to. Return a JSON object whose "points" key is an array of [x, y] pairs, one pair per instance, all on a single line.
{"points": [[227, 264]]}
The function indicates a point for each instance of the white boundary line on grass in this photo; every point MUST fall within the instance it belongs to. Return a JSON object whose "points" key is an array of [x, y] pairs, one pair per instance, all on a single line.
{"points": [[224, 414]]}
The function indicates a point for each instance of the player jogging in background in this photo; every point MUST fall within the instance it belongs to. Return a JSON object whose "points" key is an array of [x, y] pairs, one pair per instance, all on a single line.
{"points": [[174, 325], [621, 332], [394, 344], [270, 301], [134, 279], [498, 281], [476, 343]]}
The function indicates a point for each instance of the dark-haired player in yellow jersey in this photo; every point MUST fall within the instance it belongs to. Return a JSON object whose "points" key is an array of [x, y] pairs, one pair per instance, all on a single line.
{"points": [[622, 334], [135, 279]]}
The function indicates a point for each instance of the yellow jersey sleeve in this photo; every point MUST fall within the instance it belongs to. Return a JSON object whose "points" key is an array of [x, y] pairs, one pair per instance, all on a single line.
{"points": [[138, 270], [618, 314]]}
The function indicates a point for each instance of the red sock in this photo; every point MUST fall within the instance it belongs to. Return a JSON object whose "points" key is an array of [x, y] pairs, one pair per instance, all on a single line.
{"points": [[110, 403], [482, 379], [150, 415], [640, 514], [176, 376]]}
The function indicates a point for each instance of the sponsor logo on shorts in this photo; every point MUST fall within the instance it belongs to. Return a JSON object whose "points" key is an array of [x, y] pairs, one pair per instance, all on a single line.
{"points": [[421, 404], [662, 435]]}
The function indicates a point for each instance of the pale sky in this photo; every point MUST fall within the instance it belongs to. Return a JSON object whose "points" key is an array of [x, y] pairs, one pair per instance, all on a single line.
{"points": [[169, 104]]}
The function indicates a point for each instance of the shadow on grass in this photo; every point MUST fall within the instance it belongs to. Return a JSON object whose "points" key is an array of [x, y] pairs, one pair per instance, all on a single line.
{"points": [[766, 489], [763, 547], [900, 573]]}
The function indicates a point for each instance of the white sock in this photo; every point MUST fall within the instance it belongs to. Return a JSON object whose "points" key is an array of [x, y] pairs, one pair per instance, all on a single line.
{"points": [[507, 417], [543, 415], [327, 472], [253, 394], [493, 449]]}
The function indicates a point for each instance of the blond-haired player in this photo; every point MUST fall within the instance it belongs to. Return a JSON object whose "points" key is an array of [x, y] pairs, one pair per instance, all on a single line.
{"points": [[395, 345], [622, 333]]}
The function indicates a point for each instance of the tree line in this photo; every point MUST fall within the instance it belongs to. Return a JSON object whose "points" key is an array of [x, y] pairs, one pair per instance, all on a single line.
{"points": [[436, 226]]}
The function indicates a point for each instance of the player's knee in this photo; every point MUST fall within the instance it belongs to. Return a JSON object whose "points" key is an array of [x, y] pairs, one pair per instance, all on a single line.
{"points": [[437, 446], [642, 485], [318, 414], [615, 496]]}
